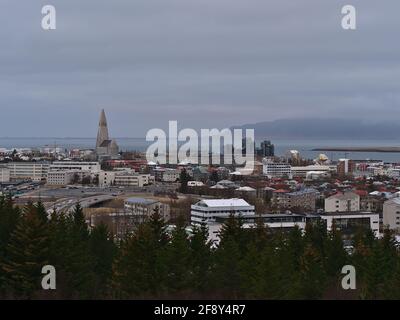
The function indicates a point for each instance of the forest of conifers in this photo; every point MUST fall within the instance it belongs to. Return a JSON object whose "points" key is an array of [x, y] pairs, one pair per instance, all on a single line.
{"points": [[152, 263]]}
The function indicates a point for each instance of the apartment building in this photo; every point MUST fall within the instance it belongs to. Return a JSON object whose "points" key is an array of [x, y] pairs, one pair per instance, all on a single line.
{"points": [[106, 178], [35, 171], [61, 177], [276, 169], [345, 167], [303, 200], [207, 210], [4, 174], [343, 202], [132, 179], [349, 222], [391, 214], [143, 208], [93, 167], [302, 171]]}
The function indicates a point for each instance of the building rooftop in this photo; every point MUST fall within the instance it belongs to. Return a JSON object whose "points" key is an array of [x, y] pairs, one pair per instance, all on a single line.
{"points": [[246, 188], [314, 167], [281, 191], [302, 192], [344, 196], [395, 200], [349, 213], [223, 203]]}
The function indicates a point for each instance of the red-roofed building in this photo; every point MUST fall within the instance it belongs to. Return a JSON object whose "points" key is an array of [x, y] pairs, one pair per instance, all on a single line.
{"points": [[281, 191]]}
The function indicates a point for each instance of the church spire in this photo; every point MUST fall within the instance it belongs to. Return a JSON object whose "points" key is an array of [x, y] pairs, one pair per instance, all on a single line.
{"points": [[102, 133]]}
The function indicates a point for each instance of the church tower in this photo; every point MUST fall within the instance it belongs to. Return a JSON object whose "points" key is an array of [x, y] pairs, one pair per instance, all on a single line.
{"points": [[105, 147], [102, 133]]}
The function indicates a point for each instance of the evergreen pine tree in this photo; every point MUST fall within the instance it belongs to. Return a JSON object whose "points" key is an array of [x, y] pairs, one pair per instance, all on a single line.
{"points": [[26, 254], [228, 258], [139, 270], [103, 250], [201, 259], [312, 277], [336, 256], [177, 259], [80, 262], [380, 267]]}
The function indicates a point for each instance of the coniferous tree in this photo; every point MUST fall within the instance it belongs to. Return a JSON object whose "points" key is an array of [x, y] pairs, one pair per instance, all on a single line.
{"points": [[316, 235], [363, 245], [227, 272], [260, 234], [178, 260], [26, 255], [295, 247], [139, 270], [103, 250], [312, 277], [392, 289], [61, 252], [41, 211], [336, 256], [249, 272], [9, 217], [201, 259], [79, 262], [379, 266]]}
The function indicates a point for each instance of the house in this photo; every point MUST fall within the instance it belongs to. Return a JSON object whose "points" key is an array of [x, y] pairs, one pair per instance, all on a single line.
{"points": [[343, 202]]}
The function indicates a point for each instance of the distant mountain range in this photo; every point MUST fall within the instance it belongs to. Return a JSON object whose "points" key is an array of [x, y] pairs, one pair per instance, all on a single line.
{"points": [[324, 129]]}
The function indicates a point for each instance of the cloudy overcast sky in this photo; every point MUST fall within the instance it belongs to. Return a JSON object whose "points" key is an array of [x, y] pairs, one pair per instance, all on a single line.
{"points": [[205, 63]]}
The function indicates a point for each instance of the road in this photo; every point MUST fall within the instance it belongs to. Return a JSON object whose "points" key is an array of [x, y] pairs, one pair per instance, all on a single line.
{"points": [[67, 205]]}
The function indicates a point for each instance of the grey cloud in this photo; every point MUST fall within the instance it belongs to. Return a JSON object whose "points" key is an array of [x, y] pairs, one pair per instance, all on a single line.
{"points": [[202, 62]]}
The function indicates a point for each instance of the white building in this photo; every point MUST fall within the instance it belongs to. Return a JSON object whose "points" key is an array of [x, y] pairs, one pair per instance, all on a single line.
{"points": [[106, 178], [276, 169], [391, 214], [207, 210], [61, 177], [301, 171], [35, 171], [348, 222], [132, 179], [4, 174], [343, 202], [93, 167], [144, 208], [317, 175]]}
